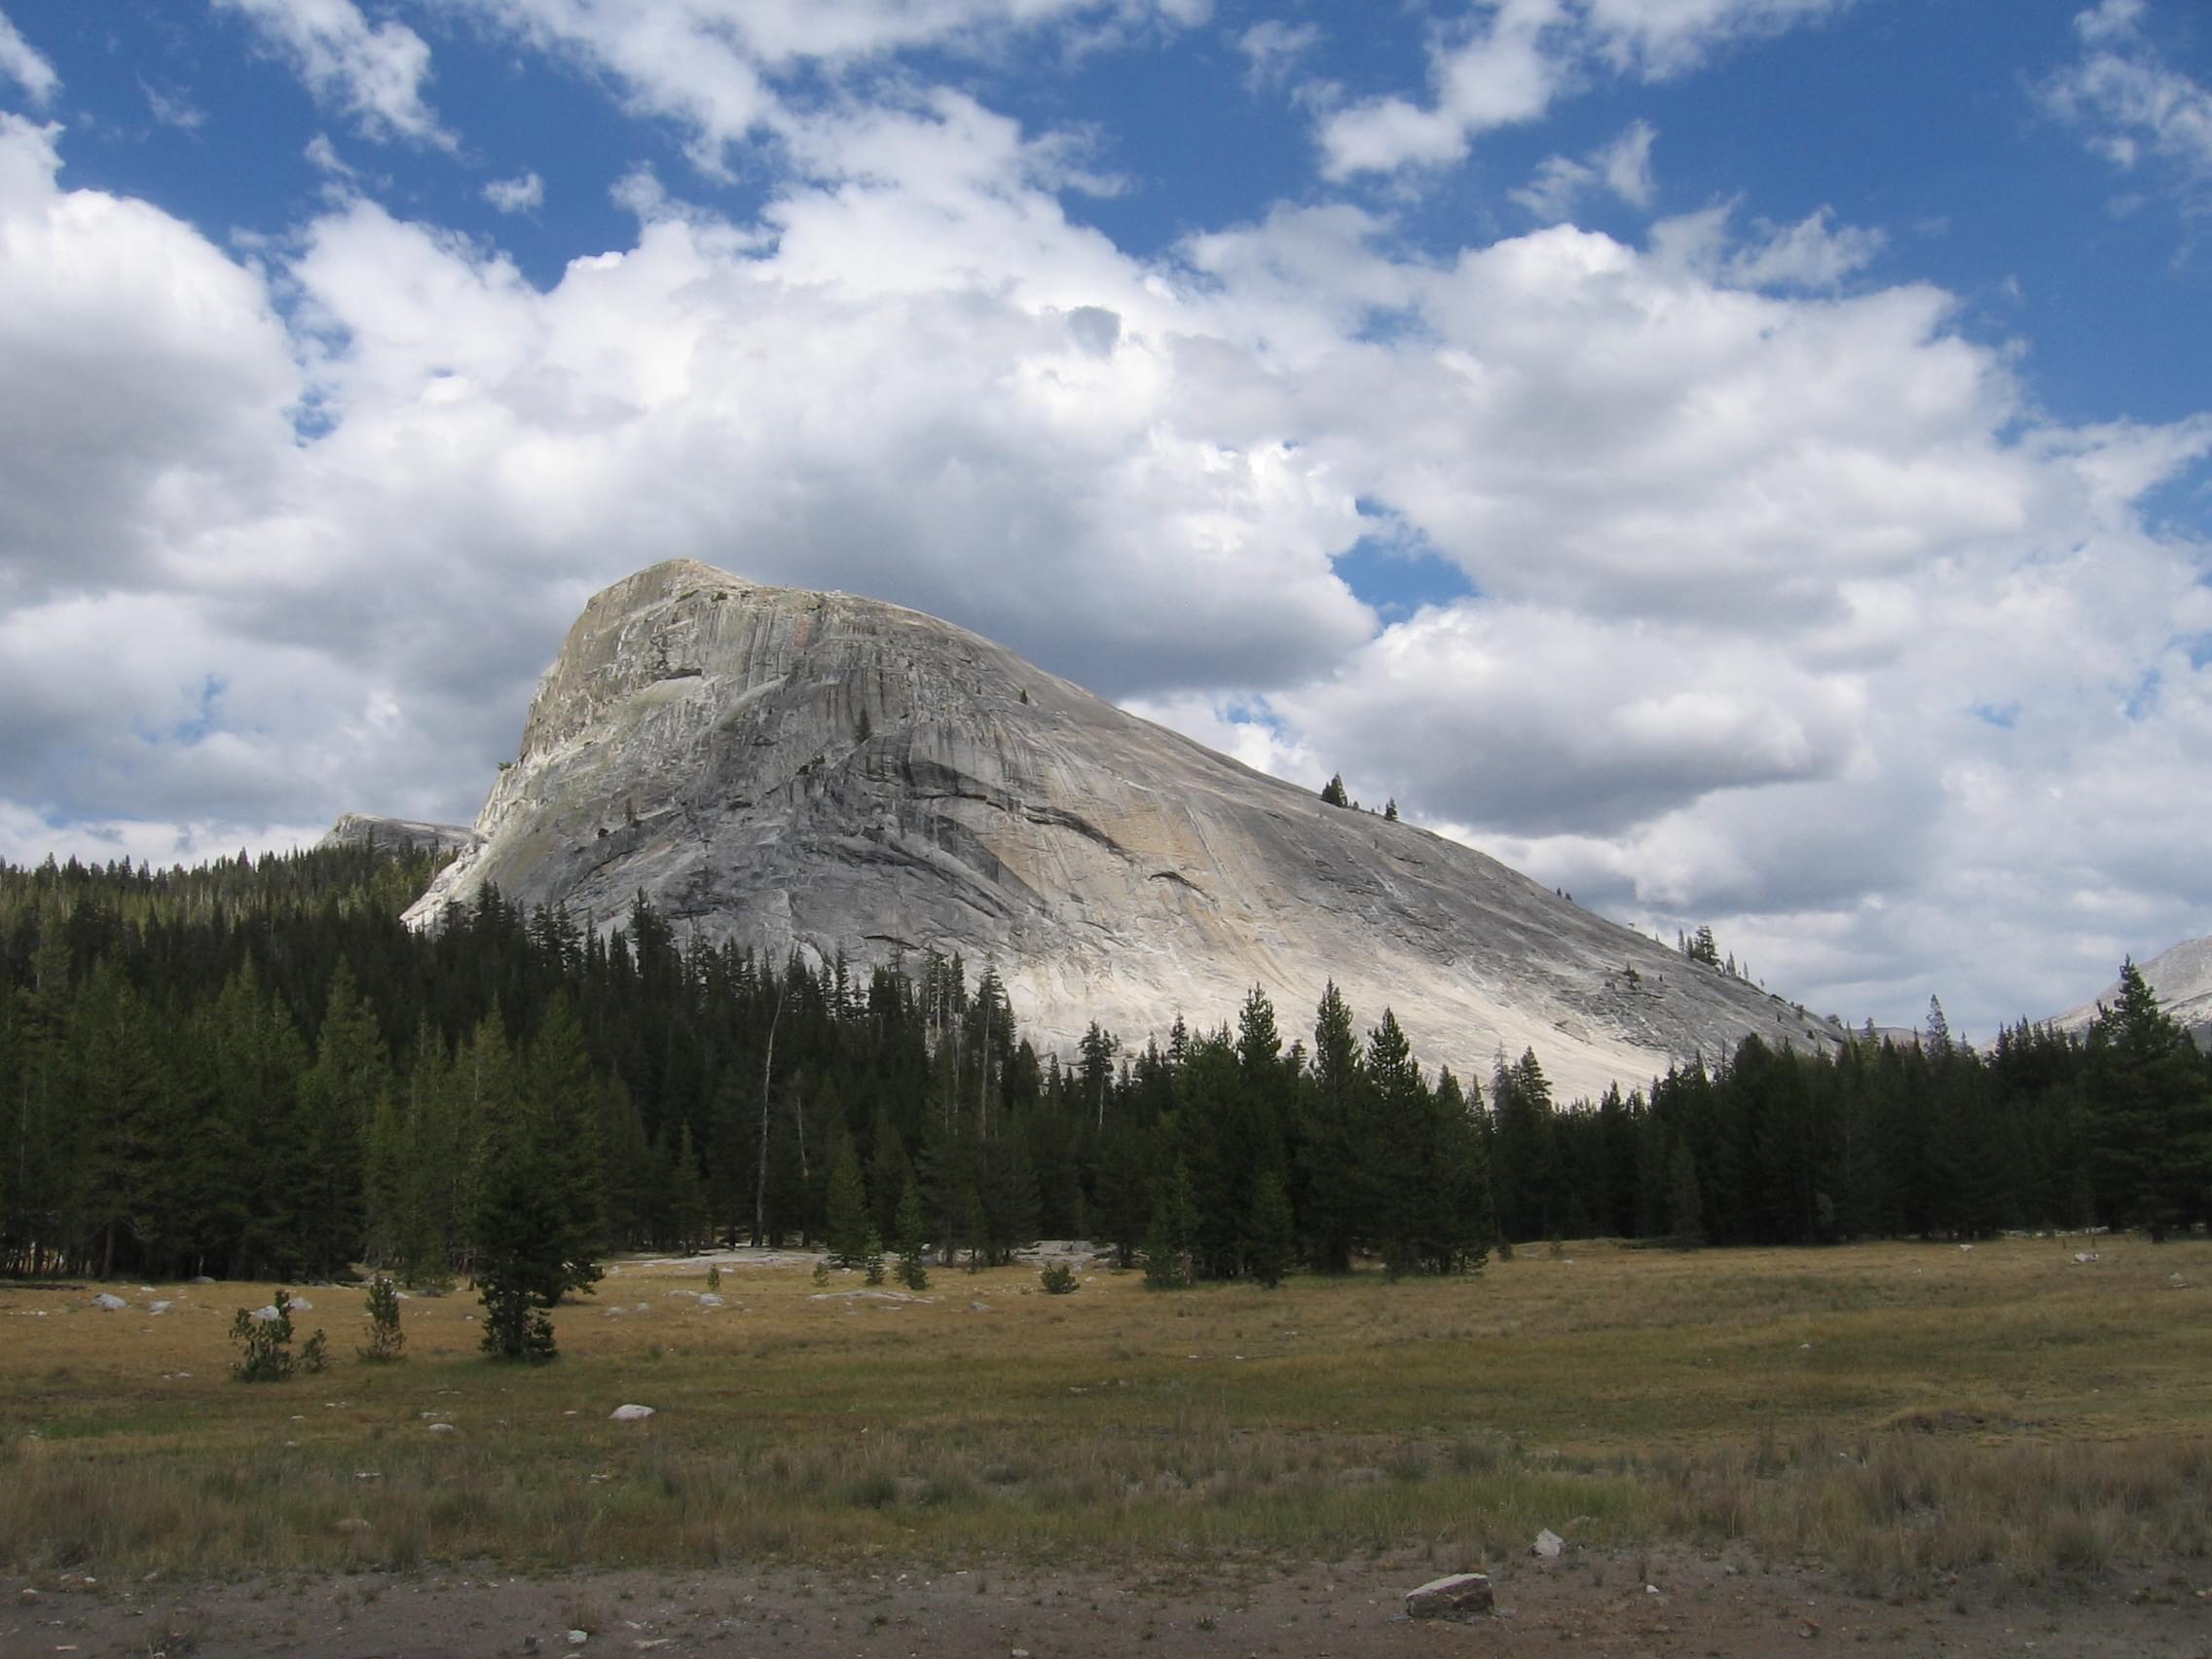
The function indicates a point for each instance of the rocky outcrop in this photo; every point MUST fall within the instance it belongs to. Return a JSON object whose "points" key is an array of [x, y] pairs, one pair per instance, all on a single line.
{"points": [[1456, 1596], [393, 834], [2181, 978], [809, 771]]}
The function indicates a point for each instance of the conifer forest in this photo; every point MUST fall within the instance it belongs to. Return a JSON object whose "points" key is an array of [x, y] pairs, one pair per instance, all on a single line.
{"points": [[253, 1070]]}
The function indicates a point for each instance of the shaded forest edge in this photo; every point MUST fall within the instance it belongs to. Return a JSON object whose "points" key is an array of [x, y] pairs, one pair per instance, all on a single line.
{"points": [[253, 1070]]}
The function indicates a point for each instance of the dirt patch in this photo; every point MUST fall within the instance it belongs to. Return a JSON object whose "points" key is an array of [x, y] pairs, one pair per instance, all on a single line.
{"points": [[1586, 1602]]}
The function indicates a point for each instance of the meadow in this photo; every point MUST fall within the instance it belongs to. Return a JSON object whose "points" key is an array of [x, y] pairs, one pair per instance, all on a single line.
{"points": [[1905, 1412]]}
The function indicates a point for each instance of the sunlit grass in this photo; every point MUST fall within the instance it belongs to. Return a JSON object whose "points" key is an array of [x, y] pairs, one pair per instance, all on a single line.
{"points": [[1903, 1412]]}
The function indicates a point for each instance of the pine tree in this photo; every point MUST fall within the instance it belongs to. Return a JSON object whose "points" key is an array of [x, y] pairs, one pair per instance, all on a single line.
{"points": [[687, 1196], [568, 1149], [1460, 1219], [1334, 1159], [975, 1229], [912, 1239], [265, 1345], [1168, 1239], [889, 1172], [1685, 1208], [524, 1260], [339, 1099], [258, 1132], [2151, 1114], [385, 1340], [847, 1217], [1271, 1230], [1333, 792]]}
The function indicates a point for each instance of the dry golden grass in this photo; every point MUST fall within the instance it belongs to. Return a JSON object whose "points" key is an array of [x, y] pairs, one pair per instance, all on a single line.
{"points": [[1904, 1411]]}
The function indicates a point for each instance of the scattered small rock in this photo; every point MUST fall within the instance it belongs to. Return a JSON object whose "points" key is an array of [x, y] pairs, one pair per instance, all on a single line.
{"points": [[708, 1298], [631, 1413], [1548, 1544], [867, 1296], [108, 1303], [159, 1306], [979, 1307], [577, 1637], [2083, 1258], [443, 1428], [1456, 1596]]}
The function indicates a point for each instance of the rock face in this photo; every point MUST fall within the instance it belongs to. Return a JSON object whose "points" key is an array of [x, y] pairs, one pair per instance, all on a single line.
{"points": [[809, 770], [2181, 978], [361, 829], [1457, 1595]]}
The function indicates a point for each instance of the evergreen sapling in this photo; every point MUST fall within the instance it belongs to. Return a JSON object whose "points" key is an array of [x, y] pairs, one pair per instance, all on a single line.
{"points": [[385, 1340], [913, 1274]]}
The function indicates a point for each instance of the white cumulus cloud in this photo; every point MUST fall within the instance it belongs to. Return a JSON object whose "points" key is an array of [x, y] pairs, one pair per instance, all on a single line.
{"points": [[1512, 60], [1623, 166], [516, 195], [2131, 105], [23, 63], [714, 66], [373, 72]]}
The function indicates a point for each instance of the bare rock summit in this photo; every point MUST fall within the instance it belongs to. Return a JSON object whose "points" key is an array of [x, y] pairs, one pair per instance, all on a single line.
{"points": [[2181, 978], [809, 771], [392, 834]]}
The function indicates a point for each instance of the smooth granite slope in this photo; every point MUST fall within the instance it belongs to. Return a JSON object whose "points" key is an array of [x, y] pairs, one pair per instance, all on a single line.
{"points": [[809, 770]]}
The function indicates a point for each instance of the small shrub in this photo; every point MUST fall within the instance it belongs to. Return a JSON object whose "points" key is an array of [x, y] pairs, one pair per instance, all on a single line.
{"points": [[385, 1340], [1059, 1279], [913, 1270], [514, 1328], [874, 1490], [872, 1258], [714, 1277], [314, 1353], [265, 1345]]}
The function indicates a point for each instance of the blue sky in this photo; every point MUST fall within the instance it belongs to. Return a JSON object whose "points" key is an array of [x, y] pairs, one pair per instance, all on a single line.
{"points": [[1741, 461]]}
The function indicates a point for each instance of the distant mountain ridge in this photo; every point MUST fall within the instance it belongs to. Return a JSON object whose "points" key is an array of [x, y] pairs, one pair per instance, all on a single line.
{"points": [[2181, 978], [813, 771], [366, 829]]}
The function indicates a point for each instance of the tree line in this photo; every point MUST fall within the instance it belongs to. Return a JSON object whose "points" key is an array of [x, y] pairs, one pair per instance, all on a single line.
{"points": [[254, 1070]]}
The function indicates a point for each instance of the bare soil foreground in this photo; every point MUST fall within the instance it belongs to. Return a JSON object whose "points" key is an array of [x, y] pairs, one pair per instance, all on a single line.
{"points": [[1916, 1448], [1599, 1603]]}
